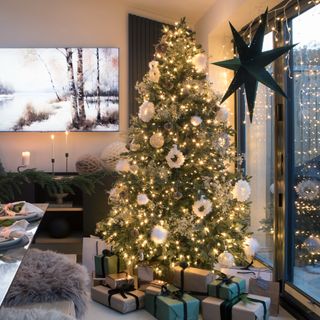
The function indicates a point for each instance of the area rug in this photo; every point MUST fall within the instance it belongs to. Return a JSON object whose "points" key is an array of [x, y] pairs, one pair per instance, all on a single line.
{"points": [[32, 314], [46, 276]]}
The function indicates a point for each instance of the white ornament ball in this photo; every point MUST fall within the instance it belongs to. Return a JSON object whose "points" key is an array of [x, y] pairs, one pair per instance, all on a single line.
{"points": [[111, 154], [226, 259], [157, 140], [199, 62], [222, 114], [312, 244], [195, 121], [159, 234], [142, 199], [202, 207], [123, 165], [175, 157], [154, 75], [250, 247], [241, 190], [308, 189], [146, 111]]}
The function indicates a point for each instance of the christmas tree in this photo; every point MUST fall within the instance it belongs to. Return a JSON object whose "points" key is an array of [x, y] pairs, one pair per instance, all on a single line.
{"points": [[178, 196]]}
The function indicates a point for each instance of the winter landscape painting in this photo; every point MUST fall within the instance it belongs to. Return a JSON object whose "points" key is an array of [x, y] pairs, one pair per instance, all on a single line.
{"points": [[59, 89]]}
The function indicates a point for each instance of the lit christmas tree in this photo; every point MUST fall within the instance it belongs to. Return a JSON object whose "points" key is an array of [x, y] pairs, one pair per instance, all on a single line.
{"points": [[177, 196]]}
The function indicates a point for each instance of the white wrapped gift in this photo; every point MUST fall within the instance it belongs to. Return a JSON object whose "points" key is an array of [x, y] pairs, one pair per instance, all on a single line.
{"points": [[211, 309]]}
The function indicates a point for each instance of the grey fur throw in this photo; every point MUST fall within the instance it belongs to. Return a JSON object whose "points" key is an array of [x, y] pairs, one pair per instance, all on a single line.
{"points": [[46, 276], [32, 314]]}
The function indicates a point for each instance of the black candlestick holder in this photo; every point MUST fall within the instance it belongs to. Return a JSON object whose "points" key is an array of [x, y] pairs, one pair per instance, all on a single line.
{"points": [[21, 167], [67, 158], [52, 165]]}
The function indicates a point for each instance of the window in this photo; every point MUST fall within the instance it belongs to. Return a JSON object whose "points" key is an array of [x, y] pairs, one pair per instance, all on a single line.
{"points": [[259, 164], [305, 150]]}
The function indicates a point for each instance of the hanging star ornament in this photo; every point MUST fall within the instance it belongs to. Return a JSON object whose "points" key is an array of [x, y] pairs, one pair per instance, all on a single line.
{"points": [[250, 66]]}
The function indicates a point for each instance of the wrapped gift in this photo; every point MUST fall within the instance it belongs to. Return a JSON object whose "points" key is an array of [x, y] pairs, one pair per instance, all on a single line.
{"points": [[250, 307], [108, 263], [251, 273], [269, 289], [195, 280], [117, 280], [226, 288], [171, 304], [124, 300], [96, 281], [145, 276]]}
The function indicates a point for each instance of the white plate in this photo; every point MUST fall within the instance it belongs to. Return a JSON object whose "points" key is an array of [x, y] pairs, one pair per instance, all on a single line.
{"points": [[19, 217]]}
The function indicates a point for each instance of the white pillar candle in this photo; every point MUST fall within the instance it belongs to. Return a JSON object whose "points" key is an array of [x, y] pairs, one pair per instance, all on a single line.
{"points": [[26, 158], [52, 146]]}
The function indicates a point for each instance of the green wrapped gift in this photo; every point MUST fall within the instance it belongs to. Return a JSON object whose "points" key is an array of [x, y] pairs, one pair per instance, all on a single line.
{"points": [[226, 288], [174, 306], [108, 263]]}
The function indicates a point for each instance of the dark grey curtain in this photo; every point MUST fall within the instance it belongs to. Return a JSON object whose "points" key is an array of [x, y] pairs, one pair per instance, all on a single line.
{"points": [[144, 34]]}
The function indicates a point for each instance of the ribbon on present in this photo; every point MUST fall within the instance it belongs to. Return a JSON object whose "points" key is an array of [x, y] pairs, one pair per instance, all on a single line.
{"points": [[124, 291], [176, 295], [227, 305], [224, 279]]}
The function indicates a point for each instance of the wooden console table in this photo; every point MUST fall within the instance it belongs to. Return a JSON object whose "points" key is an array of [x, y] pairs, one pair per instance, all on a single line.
{"points": [[10, 260]]}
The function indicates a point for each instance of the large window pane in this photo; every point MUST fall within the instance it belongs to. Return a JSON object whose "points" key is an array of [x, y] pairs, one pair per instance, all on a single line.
{"points": [[259, 165], [306, 151]]}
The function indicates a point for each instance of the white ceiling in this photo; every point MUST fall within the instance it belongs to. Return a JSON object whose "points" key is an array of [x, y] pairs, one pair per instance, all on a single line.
{"points": [[173, 10]]}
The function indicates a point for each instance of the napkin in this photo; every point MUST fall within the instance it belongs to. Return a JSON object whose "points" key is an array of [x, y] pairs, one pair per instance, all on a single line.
{"points": [[16, 230]]}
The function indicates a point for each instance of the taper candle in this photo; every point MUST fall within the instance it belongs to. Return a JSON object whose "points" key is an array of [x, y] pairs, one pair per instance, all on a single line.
{"points": [[67, 133]]}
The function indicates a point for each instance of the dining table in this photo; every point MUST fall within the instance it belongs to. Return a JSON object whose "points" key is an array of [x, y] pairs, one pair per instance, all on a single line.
{"points": [[11, 259]]}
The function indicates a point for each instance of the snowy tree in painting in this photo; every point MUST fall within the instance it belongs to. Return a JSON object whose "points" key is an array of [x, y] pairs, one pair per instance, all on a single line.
{"points": [[58, 89]]}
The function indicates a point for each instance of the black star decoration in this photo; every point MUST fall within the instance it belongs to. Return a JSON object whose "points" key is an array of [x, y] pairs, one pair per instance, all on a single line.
{"points": [[250, 66]]}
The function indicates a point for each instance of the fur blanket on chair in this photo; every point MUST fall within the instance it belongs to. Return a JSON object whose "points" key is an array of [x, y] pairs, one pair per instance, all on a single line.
{"points": [[32, 314], [46, 276]]}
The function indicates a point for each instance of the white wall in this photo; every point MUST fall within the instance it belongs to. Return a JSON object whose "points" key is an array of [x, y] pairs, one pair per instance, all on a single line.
{"points": [[59, 23]]}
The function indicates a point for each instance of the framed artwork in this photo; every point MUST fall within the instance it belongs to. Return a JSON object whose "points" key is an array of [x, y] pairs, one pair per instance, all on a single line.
{"points": [[59, 89]]}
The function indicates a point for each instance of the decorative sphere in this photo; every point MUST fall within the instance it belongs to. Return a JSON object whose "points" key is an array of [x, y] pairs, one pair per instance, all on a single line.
{"points": [[199, 62], [159, 234], [195, 121], [241, 190], [157, 140], [226, 259], [59, 228], [111, 154], [123, 165], [142, 199], [146, 111], [222, 114]]}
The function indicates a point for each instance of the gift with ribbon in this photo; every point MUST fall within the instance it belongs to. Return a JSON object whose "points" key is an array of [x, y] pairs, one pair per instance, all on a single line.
{"points": [[108, 263], [226, 287], [194, 280], [123, 299], [170, 303], [243, 307], [117, 280]]}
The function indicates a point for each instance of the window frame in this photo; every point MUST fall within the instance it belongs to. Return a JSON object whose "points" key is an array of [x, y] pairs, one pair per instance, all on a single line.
{"points": [[283, 114]]}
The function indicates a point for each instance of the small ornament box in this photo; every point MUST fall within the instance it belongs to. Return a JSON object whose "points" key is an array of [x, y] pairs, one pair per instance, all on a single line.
{"points": [[195, 280], [253, 307], [117, 280], [108, 263], [123, 300], [226, 288], [171, 305]]}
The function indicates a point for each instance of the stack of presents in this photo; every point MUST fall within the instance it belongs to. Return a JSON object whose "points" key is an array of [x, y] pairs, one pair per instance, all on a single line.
{"points": [[226, 294]]}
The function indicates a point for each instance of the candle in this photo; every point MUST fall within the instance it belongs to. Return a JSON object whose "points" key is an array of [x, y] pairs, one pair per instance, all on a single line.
{"points": [[67, 133], [25, 158], [52, 146]]}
